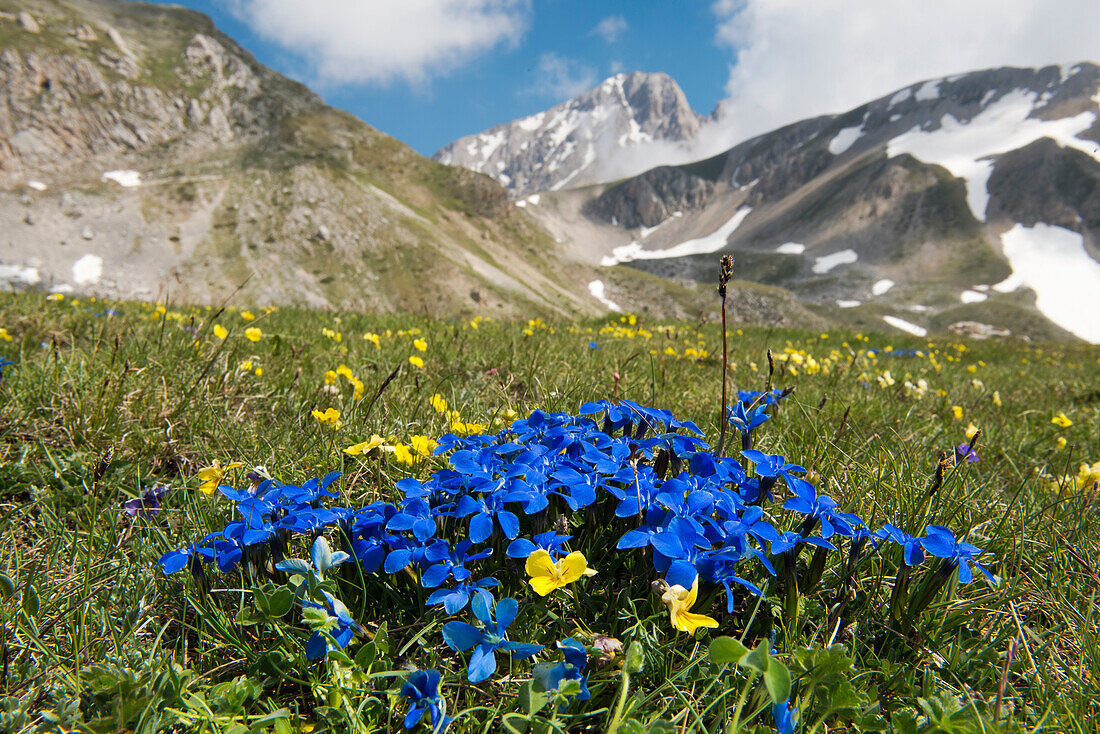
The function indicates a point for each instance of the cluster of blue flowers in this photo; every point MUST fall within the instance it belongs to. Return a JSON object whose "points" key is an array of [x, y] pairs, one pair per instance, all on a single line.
{"points": [[703, 516]]}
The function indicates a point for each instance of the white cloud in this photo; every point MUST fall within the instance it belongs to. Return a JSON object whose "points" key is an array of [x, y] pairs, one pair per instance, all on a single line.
{"points": [[797, 59], [561, 78], [381, 41], [610, 28]]}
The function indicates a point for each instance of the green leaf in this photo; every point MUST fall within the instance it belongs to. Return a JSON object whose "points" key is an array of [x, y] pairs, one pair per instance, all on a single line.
{"points": [[382, 640], [31, 604], [727, 650], [660, 726], [778, 681], [366, 656], [247, 617], [632, 726], [7, 586], [757, 659], [280, 603], [634, 660], [260, 599], [531, 700]]}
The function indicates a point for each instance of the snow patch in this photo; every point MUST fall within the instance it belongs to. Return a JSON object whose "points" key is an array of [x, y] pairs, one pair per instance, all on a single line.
{"points": [[966, 148], [87, 269], [532, 123], [900, 97], [16, 274], [597, 291], [905, 326], [928, 91], [707, 244], [36, 185], [845, 139], [972, 297], [533, 199], [848, 304], [522, 203], [895, 117], [882, 286], [125, 178], [826, 263], [1052, 261], [791, 248]]}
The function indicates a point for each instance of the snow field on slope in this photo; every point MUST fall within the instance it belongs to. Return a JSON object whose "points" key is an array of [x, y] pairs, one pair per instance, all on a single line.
{"points": [[705, 245]]}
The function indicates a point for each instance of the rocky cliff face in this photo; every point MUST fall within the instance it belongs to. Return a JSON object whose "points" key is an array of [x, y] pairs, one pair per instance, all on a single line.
{"points": [[580, 141]]}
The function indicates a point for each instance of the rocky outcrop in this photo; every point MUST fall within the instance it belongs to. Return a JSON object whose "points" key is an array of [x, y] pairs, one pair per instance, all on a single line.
{"points": [[653, 197], [580, 141]]}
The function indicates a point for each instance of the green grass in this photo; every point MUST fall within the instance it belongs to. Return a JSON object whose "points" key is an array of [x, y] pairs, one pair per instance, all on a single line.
{"points": [[98, 408]]}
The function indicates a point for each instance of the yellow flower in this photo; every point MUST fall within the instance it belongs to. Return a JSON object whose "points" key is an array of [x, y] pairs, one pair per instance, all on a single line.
{"points": [[373, 339], [402, 455], [420, 345], [253, 334], [5, 335], [679, 600], [416, 361], [439, 404], [330, 417], [330, 377], [55, 297], [957, 411], [247, 316], [220, 331], [345, 371], [1060, 443], [259, 372], [374, 442], [422, 445], [997, 398], [1061, 421], [971, 430], [334, 335], [245, 366], [211, 476], [357, 384], [546, 575]]}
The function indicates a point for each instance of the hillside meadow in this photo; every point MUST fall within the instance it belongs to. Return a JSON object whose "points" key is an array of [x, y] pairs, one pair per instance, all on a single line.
{"points": [[234, 520]]}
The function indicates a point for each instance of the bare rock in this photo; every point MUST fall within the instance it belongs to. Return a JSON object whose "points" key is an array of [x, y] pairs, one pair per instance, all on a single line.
{"points": [[87, 233], [124, 62], [84, 33], [977, 330], [27, 22], [323, 233], [29, 218]]}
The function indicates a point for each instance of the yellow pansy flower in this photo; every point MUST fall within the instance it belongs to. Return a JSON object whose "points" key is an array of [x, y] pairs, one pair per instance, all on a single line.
{"points": [[679, 600], [253, 334], [546, 575], [374, 442], [971, 430], [212, 475], [1061, 421]]}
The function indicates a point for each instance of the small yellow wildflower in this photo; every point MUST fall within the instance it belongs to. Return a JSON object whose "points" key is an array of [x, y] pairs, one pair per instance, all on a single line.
{"points": [[1061, 421], [359, 388], [248, 316], [1060, 443], [402, 455], [439, 404], [997, 398], [957, 411], [422, 445], [56, 297], [259, 372], [345, 371], [420, 345], [253, 334], [679, 600], [220, 331], [5, 335], [374, 442], [971, 430], [334, 335], [330, 377], [330, 417], [546, 575], [373, 339], [245, 366], [212, 475], [416, 362]]}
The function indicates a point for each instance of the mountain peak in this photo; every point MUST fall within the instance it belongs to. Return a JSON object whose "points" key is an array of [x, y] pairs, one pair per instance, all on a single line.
{"points": [[569, 144]]}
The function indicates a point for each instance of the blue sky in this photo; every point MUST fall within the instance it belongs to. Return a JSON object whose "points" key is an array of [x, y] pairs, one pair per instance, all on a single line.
{"points": [[430, 71]]}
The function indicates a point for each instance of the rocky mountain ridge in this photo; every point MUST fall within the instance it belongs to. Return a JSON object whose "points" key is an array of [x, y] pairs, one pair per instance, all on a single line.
{"points": [[968, 198], [582, 140]]}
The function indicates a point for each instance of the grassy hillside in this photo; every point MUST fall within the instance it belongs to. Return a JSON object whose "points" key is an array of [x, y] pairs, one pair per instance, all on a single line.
{"points": [[108, 403]]}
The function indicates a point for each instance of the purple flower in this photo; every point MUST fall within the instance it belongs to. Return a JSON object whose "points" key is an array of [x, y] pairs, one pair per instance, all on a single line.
{"points": [[965, 452], [147, 504]]}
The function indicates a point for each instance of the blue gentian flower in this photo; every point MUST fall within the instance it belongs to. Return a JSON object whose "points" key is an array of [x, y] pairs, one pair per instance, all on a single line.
{"points": [[784, 717], [483, 511], [491, 636], [942, 543], [322, 559], [744, 419], [343, 627], [550, 542], [4, 363], [550, 677], [422, 690], [148, 504], [446, 561], [912, 549], [455, 600]]}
